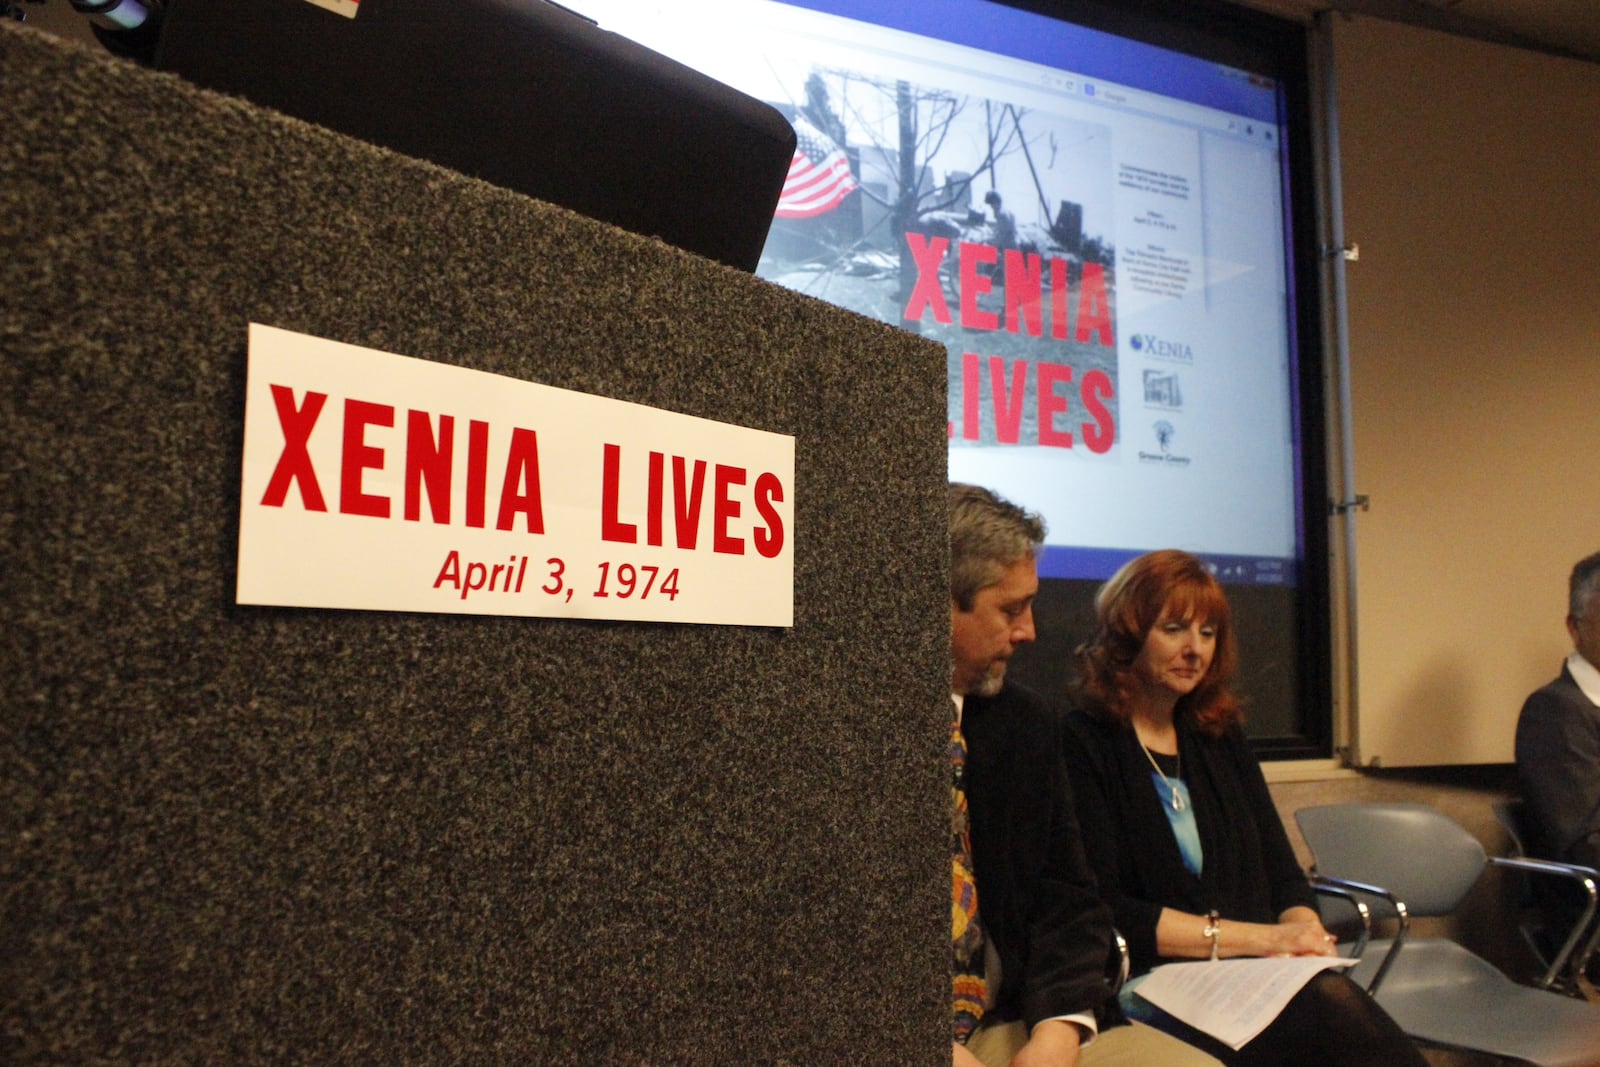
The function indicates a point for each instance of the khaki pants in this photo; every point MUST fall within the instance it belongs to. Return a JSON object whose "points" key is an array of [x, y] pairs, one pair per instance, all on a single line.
{"points": [[1136, 1045]]}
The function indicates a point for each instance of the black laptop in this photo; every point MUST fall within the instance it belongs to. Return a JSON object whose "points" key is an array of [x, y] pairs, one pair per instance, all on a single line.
{"points": [[521, 93]]}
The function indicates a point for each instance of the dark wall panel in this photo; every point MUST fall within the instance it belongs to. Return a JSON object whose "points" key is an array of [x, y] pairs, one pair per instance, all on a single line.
{"points": [[237, 834]]}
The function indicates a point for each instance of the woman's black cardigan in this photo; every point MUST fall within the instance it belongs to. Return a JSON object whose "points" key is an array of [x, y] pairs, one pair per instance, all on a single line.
{"points": [[1249, 870]]}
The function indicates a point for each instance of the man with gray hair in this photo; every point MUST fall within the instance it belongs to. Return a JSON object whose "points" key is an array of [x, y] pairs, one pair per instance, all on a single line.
{"points": [[1558, 735], [1031, 937], [1559, 755]]}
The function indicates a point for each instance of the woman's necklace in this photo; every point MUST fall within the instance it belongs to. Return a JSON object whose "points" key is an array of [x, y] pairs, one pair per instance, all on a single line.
{"points": [[1172, 788]]}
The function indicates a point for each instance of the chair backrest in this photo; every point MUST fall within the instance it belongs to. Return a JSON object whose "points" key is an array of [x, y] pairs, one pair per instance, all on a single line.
{"points": [[1552, 923], [1416, 852], [1512, 815], [1514, 819]]}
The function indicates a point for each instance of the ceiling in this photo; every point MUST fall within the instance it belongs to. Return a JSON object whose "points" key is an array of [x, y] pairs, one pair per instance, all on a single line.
{"points": [[1560, 27]]}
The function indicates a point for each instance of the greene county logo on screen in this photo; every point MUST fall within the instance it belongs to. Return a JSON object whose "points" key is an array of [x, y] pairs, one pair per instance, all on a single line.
{"points": [[1164, 434]]}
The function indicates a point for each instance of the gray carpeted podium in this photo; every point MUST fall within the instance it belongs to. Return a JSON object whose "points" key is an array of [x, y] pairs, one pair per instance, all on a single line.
{"points": [[245, 834]]}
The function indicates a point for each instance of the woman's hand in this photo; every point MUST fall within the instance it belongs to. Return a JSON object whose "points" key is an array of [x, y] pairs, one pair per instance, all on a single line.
{"points": [[1300, 933]]}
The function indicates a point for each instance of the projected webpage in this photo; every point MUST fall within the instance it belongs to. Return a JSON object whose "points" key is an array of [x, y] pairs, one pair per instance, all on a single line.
{"points": [[1093, 228]]}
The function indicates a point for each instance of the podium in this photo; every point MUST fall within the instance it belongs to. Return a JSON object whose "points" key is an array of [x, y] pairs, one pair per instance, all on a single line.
{"points": [[244, 834]]}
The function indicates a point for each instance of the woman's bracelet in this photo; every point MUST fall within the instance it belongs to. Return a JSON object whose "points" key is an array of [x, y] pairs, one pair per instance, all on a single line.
{"points": [[1213, 932]]}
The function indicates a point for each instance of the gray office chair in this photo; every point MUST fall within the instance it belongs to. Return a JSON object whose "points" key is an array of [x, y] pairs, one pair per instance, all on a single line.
{"points": [[1561, 942], [1411, 860]]}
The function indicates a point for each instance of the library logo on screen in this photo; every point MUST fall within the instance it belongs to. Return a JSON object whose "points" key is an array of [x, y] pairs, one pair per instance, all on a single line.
{"points": [[1162, 390], [1158, 347]]}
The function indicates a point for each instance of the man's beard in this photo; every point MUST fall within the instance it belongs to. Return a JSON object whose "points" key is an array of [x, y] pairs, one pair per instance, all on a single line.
{"points": [[993, 680]]}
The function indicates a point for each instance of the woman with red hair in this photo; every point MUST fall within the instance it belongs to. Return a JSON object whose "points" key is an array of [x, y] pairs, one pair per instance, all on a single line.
{"points": [[1178, 823]]}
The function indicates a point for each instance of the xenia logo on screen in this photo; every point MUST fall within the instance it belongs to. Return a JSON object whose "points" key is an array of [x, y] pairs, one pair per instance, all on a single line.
{"points": [[1161, 348]]}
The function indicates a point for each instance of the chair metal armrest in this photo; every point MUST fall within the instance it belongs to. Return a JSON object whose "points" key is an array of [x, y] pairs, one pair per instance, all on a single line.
{"points": [[1402, 919], [1326, 887], [1590, 880]]}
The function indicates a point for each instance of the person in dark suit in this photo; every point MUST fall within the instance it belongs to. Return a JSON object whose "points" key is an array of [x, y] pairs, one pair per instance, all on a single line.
{"points": [[1179, 825], [1558, 736], [1031, 938]]}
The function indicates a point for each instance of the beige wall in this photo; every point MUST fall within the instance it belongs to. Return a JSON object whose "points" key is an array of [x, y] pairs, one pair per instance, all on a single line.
{"points": [[1471, 182], [1471, 177]]}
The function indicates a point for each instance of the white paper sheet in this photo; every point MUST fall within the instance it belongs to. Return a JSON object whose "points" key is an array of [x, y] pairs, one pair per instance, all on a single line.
{"points": [[1232, 1000]]}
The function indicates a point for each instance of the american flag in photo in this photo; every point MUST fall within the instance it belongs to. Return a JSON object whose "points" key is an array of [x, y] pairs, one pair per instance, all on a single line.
{"points": [[819, 175]]}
